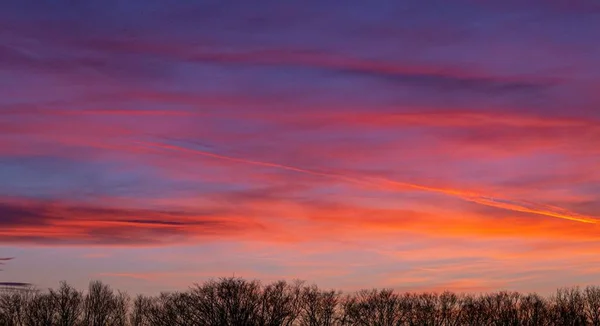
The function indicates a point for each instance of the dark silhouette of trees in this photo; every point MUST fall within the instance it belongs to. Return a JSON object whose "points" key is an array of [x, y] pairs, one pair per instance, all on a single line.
{"points": [[140, 314], [229, 301], [68, 304], [569, 307], [40, 310], [318, 307], [280, 304], [592, 305], [14, 303], [101, 306], [98, 304], [449, 311], [372, 307], [534, 310], [237, 302]]}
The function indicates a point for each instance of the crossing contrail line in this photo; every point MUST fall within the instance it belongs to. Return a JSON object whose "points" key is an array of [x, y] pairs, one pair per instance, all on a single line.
{"points": [[482, 199]]}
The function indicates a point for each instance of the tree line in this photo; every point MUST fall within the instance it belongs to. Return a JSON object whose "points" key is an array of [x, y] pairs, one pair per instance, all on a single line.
{"points": [[239, 302]]}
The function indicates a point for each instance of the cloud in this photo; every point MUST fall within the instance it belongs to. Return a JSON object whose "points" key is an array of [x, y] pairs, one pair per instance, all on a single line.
{"points": [[264, 216], [2, 260], [483, 199], [411, 73], [140, 58], [45, 222], [14, 284]]}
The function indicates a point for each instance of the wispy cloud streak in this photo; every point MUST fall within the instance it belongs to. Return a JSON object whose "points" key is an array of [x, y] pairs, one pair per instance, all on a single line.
{"points": [[482, 199]]}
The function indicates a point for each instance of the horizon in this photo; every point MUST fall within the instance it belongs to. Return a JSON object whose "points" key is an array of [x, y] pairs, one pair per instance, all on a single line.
{"points": [[236, 301], [419, 146], [16, 287]]}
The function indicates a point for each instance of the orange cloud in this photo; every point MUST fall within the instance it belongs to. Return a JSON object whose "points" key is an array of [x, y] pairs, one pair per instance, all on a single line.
{"points": [[267, 220]]}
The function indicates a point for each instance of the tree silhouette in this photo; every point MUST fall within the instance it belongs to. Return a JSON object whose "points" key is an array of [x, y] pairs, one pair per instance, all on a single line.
{"points": [[40, 310], [140, 314], [592, 304], [103, 307], [372, 307], [569, 307], [319, 307], [68, 304], [238, 302]]}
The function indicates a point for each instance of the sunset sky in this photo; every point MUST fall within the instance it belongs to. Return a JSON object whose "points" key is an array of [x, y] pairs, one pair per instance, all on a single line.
{"points": [[415, 145]]}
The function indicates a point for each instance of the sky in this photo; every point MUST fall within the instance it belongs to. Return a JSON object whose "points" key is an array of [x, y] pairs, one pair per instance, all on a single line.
{"points": [[414, 145]]}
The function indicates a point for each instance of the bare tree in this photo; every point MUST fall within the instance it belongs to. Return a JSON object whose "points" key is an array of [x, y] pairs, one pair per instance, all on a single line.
{"points": [[140, 314], [472, 311], [171, 309], [120, 311], [40, 310], [425, 305], [280, 304], [448, 309], [372, 308], [568, 307], [99, 304], [592, 304], [229, 301], [501, 308], [237, 302], [12, 309], [13, 305], [319, 308], [69, 305], [533, 311]]}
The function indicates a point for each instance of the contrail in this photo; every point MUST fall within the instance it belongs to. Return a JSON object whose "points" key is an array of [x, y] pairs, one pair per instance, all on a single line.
{"points": [[518, 206], [512, 205]]}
